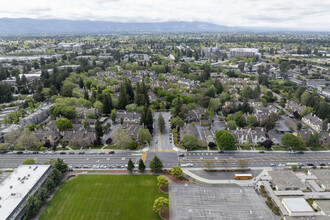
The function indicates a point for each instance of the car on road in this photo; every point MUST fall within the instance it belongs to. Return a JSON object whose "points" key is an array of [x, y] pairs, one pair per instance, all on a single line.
{"points": [[111, 152], [81, 152], [62, 152], [92, 152], [19, 152], [292, 152], [71, 152], [190, 165], [310, 164], [102, 152], [322, 164], [273, 165], [300, 152], [53, 152], [221, 152], [181, 155], [261, 152], [35, 152]]}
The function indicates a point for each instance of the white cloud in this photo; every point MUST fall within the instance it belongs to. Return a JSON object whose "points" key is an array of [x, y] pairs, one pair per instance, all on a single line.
{"points": [[307, 14]]}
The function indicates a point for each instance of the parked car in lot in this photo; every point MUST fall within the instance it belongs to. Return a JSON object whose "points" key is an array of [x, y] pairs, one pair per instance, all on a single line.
{"points": [[92, 152], [63, 152], [310, 164], [102, 152], [35, 152], [19, 152], [181, 155], [111, 152], [81, 152], [322, 164], [71, 152], [292, 152], [300, 152], [190, 165]]}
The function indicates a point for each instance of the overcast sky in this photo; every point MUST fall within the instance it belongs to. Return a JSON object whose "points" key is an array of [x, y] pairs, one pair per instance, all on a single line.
{"points": [[302, 14]]}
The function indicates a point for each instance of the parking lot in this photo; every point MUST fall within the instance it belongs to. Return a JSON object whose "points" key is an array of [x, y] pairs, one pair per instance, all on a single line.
{"points": [[223, 203]]}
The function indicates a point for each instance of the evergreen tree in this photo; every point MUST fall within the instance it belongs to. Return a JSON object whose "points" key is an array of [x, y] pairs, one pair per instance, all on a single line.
{"points": [[98, 130], [149, 118], [107, 104], [130, 166], [161, 123], [137, 94], [156, 164], [122, 100], [142, 167], [86, 96], [144, 94], [129, 91]]}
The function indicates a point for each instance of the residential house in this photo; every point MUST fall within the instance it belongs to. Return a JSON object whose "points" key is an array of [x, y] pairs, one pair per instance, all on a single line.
{"points": [[313, 121], [129, 117]]}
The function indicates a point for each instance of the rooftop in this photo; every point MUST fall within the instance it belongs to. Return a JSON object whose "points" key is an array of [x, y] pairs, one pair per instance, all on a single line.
{"points": [[286, 180], [323, 176], [18, 185], [324, 205], [296, 205]]}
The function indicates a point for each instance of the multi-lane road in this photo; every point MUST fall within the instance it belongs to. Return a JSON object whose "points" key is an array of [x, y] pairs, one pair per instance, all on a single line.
{"points": [[170, 158]]}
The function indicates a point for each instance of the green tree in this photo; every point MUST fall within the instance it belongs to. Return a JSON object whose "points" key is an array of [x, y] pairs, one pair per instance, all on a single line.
{"points": [[239, 119], [162, 181], [63, 124], [305, 97], [122, 100], [231, 125], [113, 115], [32, 206], [6, 94], [142, 166], [299, 126], [314, 140], [60, 165], [292, 141], [176, 172], [189, 141], [98, 130], [225, 140], [161, 123], [252, 121], [161, 204], [130, 166], [177, 122], [29, 161], [107, 103], [144, 136], [156, 165]]}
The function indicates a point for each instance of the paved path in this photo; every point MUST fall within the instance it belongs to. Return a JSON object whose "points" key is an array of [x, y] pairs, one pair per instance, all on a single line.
{"points": [[274, 197]]}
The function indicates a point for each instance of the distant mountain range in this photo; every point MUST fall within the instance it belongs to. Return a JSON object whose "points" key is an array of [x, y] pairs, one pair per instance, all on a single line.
{"points": [[13, 26]]}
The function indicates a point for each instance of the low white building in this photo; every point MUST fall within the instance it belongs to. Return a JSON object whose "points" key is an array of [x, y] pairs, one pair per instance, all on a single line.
{"points": [[16, 189], [297, 207]]}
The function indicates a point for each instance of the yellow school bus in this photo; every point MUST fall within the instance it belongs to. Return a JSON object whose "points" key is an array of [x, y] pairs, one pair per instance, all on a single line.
{"points": [[243, 176]]}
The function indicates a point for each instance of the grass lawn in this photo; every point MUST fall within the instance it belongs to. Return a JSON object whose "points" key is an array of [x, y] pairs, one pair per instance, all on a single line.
{"points": [[105, 197]]}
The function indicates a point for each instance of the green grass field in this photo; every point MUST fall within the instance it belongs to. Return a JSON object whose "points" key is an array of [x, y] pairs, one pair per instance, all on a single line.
{"points": [[100, 197]]}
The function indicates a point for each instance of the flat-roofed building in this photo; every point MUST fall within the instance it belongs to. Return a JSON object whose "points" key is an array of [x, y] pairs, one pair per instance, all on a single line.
{"points": [[297, 207], [16, 188], [323, 178], [244, 52], [286, 180]]}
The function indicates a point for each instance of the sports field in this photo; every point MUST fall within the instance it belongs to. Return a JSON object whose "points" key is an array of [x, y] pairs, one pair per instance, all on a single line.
{"points": [[105, 197]]}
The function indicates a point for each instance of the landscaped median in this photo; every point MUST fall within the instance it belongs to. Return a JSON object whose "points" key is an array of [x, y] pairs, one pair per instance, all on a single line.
{"points": [[105, 197]]}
